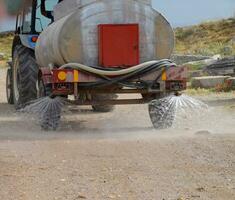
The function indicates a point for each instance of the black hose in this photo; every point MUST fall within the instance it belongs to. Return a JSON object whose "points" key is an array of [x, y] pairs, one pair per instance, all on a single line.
{"points": [[125, 80]]}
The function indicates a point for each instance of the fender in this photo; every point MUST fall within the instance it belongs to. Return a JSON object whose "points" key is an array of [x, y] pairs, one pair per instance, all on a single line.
{"points": [[29, 40]]}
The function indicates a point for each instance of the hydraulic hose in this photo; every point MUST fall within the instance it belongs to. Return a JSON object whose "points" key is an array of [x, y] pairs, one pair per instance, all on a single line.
{"points": [[117, 72], [122, 77]]}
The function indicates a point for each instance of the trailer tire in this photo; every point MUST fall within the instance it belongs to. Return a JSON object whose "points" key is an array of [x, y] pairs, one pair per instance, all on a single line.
{"points": [[9, 87], [103, 108], [161, 114], [25, 75], [43, 90]]}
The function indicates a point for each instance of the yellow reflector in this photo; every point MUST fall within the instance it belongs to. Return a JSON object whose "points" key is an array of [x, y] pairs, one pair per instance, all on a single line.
{"points": [[164, 78], [75, 76], [62, 76]]}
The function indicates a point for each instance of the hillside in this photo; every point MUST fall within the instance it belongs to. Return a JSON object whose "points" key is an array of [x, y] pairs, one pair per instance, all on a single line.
{"points": [[5, 48], [209, 38]]}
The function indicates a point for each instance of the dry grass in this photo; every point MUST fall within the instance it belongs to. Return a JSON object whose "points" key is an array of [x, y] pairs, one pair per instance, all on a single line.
{"points": [[210, 38], [5, 48]]}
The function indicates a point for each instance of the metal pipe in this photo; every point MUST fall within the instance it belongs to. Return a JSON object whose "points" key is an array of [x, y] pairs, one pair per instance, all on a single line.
{"points": [[110, 102]]}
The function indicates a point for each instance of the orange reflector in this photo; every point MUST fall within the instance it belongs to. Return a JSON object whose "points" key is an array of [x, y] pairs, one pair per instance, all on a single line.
{"points": [[34, 39], [164, 77], [62, 76], [75, 76]]}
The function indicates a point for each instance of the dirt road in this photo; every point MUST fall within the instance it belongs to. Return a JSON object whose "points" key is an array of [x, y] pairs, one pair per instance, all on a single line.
{"points": [[116, 156]]}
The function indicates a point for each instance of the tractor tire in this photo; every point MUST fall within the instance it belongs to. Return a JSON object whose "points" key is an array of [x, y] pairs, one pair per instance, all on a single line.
{"points": [[25, 75], [9, 87], [103, 108], [161, 114]]}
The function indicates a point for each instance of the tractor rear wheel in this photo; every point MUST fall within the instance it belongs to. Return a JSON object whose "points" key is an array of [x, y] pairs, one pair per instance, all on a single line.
{"points": [[9, 87], [25, 74], [103, 108], [161, 113]]}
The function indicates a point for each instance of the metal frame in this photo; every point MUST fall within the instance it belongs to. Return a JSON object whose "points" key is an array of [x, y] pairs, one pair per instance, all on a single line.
{"points": [[110, 102], [64, 88]]}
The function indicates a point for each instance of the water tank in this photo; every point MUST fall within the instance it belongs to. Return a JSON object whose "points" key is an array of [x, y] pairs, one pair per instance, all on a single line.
{"points": [[73, 37]]}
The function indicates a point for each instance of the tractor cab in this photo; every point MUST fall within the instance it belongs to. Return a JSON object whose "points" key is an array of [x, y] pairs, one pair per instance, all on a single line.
{"points": [[32, 20], [22, 75]]}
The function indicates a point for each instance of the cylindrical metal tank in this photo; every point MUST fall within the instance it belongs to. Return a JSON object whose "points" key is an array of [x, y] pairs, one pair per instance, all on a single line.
{"points": [[73, 37]]}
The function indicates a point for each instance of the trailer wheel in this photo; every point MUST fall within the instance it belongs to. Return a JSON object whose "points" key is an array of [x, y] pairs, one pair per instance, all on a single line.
{"points": [[25, 74], [9, 87], [50, 120], [161, 114], [43, 90], [50, 117], [103, 108]]}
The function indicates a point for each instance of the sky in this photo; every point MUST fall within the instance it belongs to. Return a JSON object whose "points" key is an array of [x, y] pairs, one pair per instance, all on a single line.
{"points": [[189, 12], [180, 12]]}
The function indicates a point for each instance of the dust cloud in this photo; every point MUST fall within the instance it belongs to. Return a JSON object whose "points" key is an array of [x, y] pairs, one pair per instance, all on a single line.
{"points": [[111, 155], [127, 122]]}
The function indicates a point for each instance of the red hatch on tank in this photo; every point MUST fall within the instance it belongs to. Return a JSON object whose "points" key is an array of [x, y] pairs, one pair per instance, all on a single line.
{"points": [[118, 45]]}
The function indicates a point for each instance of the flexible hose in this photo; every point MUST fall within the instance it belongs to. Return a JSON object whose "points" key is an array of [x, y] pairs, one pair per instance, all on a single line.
{"points": [[118, 72]]}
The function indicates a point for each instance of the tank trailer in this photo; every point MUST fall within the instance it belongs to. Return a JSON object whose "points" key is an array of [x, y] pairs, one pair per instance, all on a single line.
{"points": [[93, 50]]}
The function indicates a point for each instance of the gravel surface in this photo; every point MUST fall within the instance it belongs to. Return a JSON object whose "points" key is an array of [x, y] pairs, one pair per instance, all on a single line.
{"points": [[117, 155]]}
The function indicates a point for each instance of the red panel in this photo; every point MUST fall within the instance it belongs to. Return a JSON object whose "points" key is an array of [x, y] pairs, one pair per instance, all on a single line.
{"points": [[118, 45]]}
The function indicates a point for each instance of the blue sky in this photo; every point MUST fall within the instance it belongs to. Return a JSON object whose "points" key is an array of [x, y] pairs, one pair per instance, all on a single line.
{"points": [[183, 12], [188, 12]]}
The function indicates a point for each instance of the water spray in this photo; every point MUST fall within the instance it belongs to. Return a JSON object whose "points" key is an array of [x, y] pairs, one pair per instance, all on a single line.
{"points": [[48, 110], [173, 109], [164, 113]]}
